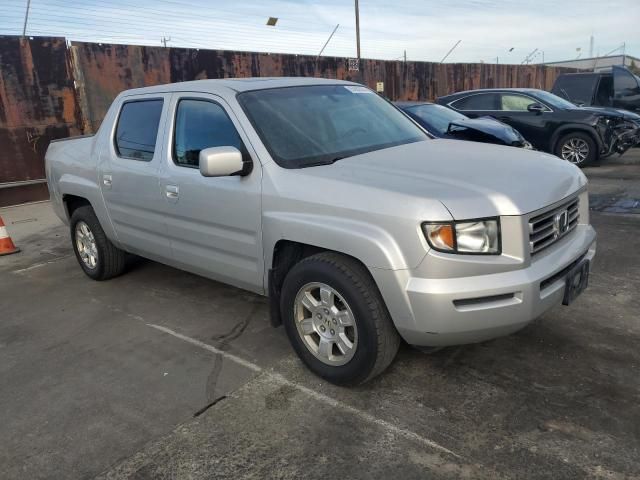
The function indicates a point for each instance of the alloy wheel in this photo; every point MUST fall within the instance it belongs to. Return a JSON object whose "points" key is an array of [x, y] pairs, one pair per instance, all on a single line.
{"points": [[86, 245], [326, 324], [575, 150]]}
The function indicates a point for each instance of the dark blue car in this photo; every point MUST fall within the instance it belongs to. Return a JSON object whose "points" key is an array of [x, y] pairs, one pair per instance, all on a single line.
{"points": [[442, 122]]}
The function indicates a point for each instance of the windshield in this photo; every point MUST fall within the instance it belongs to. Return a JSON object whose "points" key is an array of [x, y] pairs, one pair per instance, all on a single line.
{"points": [[314, 125], [554, 100], [436, 116]]}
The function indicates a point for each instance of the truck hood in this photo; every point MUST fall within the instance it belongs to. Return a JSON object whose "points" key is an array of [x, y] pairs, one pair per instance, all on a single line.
{"points": [[472, 180]]}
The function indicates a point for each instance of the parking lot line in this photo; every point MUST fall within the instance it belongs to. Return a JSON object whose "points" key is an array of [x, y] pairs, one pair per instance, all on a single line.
{"points": [[321, 397], [42, 264], [206, 346]]}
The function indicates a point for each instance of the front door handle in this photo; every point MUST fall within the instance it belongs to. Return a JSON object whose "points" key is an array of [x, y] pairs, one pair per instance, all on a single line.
{"points": [[172, 191]]}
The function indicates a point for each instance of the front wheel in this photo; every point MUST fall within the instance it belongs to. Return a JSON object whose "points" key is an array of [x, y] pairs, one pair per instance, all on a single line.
{"points": [[336, 319], [577, 148]]}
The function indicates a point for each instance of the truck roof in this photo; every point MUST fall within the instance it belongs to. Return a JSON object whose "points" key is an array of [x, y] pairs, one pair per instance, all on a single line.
{"points": [[236, 84]]}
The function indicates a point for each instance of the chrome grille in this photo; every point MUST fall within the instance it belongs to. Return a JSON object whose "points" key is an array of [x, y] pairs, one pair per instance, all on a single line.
{"points": [[549, 227]]}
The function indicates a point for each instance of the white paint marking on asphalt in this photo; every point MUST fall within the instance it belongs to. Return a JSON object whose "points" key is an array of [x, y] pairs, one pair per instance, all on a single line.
{"points": [[211, 348], [321, 397], [43, 264]]}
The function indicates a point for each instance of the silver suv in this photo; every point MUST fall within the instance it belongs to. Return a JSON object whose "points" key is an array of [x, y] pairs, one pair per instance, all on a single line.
{"points": [[360, 228]]}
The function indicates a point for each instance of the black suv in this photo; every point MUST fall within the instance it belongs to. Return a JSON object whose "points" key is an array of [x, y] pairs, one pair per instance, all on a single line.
{"points": [[581, 135], [612, 87]]}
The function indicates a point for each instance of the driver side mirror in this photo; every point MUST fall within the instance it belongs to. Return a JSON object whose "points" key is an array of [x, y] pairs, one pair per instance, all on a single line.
{"points": [[222, 162], [536, 108]]}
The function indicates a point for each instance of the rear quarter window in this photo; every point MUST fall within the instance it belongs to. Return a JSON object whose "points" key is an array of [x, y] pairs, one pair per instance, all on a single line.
{"points": [[137, 129], [576, 88]]}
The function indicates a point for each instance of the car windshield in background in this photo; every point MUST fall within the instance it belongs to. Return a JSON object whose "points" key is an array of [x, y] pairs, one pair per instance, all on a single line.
{"points": [[554, 100], [437, 116], [319, 124]]}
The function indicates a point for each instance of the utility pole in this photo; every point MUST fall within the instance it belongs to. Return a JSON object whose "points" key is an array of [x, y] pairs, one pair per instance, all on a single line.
{"points": [[357, 30], [405, 56], [26, 19], [327, 42], [165, 40]]}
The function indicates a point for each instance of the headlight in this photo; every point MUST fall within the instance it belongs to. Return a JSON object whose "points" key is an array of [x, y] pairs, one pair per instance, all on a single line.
{"points": [[480, 237]]}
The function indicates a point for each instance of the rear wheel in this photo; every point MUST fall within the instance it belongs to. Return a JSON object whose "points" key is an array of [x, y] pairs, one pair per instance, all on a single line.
{"points": [[336, 319], [577, 148], [97, 256]]}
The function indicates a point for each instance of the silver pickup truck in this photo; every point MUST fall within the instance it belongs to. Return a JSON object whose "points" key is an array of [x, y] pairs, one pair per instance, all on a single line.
{"points": [[360, 228]]}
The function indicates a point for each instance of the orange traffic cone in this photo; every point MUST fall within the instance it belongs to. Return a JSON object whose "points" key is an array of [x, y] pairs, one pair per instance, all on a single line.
{"points": [[6, 244]]}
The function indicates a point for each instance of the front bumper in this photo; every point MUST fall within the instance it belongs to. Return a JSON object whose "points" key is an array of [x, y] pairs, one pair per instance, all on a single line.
{"points": [[453, 311]]}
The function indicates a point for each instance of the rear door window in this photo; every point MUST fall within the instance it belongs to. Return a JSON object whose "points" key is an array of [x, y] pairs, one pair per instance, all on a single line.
{"points": [[137, 129], [477, 101]]}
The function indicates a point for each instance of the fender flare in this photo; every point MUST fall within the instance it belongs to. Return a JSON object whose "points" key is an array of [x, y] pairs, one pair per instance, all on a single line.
{"points": [[78, 186], [370, 244]]}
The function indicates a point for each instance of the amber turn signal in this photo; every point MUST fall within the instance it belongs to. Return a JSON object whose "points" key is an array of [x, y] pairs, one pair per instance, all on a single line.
{"points": [[440, 236]]}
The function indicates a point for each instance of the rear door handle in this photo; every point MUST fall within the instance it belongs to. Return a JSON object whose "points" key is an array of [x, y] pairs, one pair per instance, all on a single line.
{"points": [[172, 191], [107, 180]]}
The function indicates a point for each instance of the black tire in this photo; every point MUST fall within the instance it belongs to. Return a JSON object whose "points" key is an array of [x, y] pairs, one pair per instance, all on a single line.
{"points": [[378, 340], [581, 139], [111, 261]]}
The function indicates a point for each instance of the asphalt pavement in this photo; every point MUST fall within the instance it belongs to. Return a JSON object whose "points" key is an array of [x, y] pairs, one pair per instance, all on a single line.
{"points": [[163, 374]]}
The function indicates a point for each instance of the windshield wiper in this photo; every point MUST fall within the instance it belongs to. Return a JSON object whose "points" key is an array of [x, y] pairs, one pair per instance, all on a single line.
{"points": [[318, 163]]}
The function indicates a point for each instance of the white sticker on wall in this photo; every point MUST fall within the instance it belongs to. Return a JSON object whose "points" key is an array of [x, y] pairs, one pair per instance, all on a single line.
{"points": [[357, 89]]}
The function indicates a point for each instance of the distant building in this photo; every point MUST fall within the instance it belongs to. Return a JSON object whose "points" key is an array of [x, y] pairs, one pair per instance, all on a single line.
{"points": [[597, 63]]}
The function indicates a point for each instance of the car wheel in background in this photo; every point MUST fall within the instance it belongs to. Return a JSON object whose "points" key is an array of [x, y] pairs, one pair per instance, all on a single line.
{"points": [[577, 148], [97, 256], [336, 319]]}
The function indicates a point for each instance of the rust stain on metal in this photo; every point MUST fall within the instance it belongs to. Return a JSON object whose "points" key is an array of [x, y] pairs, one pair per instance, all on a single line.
{"points": [[37, 103], [107, 70]]}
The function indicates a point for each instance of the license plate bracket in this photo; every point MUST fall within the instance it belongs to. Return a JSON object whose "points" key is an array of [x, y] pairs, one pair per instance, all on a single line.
{"points": [[576, 282]]}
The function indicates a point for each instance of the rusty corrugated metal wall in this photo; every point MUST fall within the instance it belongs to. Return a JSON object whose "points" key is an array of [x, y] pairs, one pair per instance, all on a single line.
{"points": [[106, 70], [48, 90], [37, 104]]}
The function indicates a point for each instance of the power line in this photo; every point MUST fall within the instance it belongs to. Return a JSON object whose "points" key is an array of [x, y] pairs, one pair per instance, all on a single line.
{"points": [[42, 21]]}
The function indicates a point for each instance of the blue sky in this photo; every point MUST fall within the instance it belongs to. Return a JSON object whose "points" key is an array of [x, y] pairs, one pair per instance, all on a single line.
{"points": [[425, 29]]}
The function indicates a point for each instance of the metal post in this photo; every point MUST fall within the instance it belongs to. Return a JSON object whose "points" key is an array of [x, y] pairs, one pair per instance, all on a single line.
{"points": [[26, 18], [405, 56], [357, 31], [449, 52], [327, 42]]}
